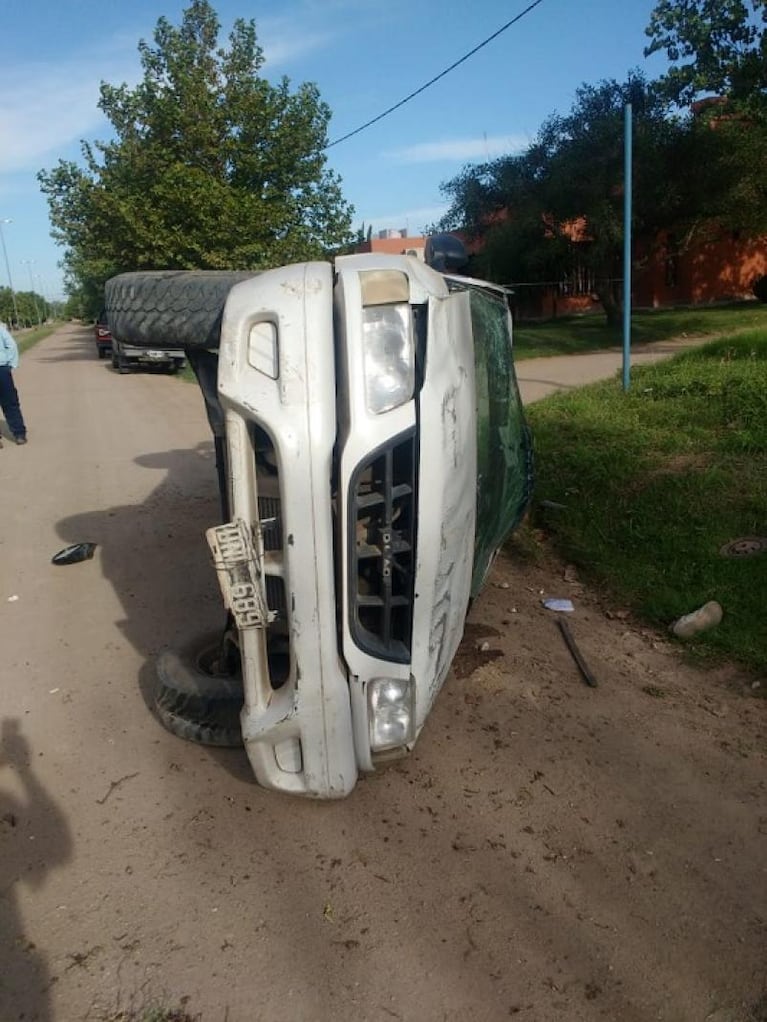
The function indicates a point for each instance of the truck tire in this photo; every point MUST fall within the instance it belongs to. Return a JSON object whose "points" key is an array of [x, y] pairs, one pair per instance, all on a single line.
{"points": [[170, 308], [196, 700]]}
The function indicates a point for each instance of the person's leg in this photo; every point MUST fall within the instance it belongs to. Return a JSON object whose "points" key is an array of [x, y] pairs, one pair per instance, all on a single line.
{"points": [[9, 402]]}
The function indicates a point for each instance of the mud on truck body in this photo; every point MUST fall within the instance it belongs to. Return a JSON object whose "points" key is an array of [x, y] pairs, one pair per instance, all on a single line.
{"points": [[373, 456]]}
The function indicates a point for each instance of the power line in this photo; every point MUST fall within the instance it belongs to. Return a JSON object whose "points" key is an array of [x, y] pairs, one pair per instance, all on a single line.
{"points": [[431, 82]]}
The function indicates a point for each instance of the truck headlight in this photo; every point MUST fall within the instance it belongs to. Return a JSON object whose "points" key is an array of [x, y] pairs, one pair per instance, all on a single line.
{"points": [[391, 713], [388, 356]]}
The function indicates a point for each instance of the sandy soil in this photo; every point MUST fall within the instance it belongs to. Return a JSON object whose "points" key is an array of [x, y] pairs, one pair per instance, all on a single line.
{"points": [[550, 851]]}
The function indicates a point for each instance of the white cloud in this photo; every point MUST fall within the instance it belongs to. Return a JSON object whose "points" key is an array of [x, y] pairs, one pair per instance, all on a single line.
{"points": [[39, 120], [287, 37], [282, 44], [47, 108], [460, 149]]}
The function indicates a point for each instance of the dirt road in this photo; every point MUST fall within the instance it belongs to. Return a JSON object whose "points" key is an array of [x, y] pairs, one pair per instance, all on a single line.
{"points": [[550, 851]]}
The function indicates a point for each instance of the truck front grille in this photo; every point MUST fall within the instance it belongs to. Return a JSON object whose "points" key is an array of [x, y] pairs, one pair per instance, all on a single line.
{"points": [[382, 516], [270, 513], [271, 521]]}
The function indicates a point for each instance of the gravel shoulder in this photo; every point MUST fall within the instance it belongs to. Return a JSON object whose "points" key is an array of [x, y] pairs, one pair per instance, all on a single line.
{"points": [[550, 850]]}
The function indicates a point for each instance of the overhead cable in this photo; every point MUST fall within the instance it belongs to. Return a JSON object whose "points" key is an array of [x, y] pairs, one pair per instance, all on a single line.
{"points": [[436, 78]]}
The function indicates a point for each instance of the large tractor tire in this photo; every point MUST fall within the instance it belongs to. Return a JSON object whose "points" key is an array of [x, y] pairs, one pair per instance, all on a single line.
{"points": [[170, 308]]}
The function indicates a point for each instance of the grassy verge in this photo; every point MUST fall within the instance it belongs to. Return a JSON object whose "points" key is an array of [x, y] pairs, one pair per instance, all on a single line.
{"points": [[656, 481], [575, 334], [28, 338]]}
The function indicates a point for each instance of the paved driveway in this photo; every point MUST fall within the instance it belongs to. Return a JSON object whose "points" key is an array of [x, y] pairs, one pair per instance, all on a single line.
{"points": [[539, 377]]}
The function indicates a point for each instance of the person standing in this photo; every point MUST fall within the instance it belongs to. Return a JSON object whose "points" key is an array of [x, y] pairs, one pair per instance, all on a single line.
{"points": [[9, 398]]}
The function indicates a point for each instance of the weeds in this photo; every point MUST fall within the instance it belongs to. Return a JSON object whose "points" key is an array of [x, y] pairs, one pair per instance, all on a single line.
{"points": [[143, 1008], [656, 481], [155, 1014], [29, 338]]}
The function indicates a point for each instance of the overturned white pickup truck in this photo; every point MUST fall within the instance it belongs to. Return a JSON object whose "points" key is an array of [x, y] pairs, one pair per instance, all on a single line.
{"points": [[373, 458]]}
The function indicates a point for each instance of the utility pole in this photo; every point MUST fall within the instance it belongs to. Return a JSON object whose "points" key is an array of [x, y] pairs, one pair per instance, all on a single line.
{"points": [[7, 220], [627, 197], [44, 294], [29, 263]]}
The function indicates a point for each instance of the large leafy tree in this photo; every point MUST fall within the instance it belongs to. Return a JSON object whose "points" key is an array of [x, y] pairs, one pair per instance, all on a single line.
{"points": [[715, 46], [556, 210], [211, 166]]}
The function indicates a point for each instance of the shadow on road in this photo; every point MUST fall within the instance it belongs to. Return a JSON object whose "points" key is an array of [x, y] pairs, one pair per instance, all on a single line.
{"points": [[70, 345], [155, 557], [34, 838]]}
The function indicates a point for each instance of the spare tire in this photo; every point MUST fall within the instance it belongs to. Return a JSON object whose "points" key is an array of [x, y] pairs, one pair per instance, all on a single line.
{"points": [[198, 697], [170, 308]]}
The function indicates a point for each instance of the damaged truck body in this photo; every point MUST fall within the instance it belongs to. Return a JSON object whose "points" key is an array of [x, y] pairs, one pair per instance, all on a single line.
{"points": [[373, 458]]}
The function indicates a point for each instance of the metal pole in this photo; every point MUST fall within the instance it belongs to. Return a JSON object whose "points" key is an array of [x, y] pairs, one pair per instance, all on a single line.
{"points": [[32, 289], [6, 220], [44, 295], [627, 186]]}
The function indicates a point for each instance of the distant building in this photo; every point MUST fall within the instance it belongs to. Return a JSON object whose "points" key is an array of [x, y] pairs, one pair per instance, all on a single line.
{"points": [[720, 268], [394, 242]]}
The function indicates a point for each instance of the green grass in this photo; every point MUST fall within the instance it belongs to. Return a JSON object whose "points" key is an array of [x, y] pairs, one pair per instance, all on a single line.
{"points": [[575, 334], [656, 481], [155, 1015], [27, 338], [149, 1013]]}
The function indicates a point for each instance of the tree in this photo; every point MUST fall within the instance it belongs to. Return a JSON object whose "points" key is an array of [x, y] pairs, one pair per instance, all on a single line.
{"points": [[32, 307], [556, 210], [717, 46], [211, 166]]}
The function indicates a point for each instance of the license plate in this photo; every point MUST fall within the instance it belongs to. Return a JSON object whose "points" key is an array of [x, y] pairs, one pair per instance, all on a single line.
{"points": [[155, 354], [239, 574]]}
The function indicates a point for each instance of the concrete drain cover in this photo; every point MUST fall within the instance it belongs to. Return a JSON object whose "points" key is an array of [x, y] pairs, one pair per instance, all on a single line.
{"points": [[746, 546]]}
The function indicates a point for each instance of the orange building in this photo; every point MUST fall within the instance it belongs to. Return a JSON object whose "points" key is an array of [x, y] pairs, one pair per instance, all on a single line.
{"points": [[719, 268]]}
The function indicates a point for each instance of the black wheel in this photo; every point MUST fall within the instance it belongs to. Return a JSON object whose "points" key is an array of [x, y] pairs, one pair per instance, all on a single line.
{"points": [[115, 363], [170, 308], [102, 352], [199, 692], [123, 365]]}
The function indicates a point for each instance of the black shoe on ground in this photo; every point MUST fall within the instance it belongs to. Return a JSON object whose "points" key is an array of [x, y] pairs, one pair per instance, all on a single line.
{"points": [[20, 439]]}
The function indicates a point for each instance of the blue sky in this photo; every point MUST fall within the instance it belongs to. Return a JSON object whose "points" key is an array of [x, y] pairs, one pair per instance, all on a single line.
{"points": [[364, 56]]}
